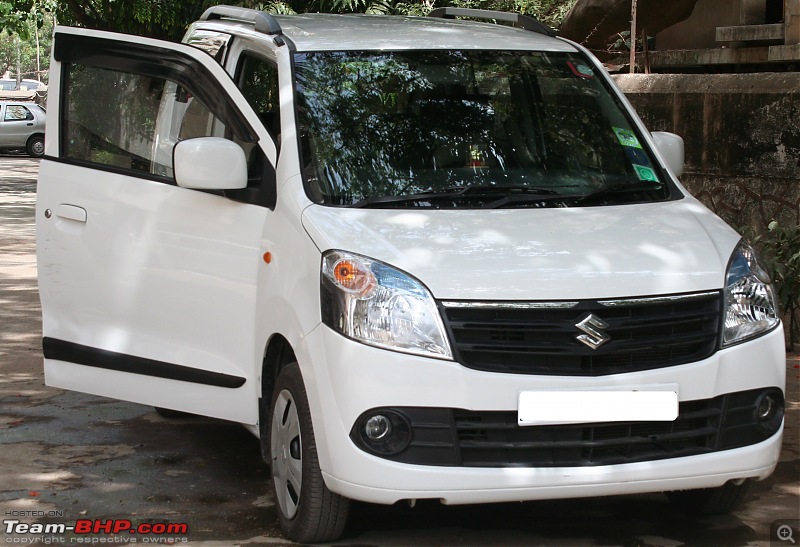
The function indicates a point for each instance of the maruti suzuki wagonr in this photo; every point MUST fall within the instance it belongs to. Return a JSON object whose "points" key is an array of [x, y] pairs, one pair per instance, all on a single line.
{"points": [[418, 257]]}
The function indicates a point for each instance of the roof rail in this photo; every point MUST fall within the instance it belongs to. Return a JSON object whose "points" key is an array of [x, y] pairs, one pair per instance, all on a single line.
{"points": [[263, 22], [517, 19]]}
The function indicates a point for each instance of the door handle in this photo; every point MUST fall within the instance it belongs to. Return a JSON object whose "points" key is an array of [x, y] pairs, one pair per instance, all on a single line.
{"points": [[71, 212], [29, 124]]}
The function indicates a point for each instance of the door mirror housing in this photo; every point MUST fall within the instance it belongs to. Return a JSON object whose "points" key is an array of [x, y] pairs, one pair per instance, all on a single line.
{"points": [[670, 146], [210, 163]]}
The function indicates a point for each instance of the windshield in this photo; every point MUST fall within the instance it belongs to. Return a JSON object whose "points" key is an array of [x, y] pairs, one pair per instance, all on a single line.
{"points": [[468, 129]]}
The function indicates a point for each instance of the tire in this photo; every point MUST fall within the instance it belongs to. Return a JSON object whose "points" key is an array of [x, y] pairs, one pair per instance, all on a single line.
{"points": [[307, 510], [710, 501], [35, 146]]}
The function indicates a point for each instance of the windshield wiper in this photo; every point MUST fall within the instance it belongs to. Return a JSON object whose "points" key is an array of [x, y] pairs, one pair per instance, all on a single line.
{"points": [[538, 195], [616, 190], [409, 198], [456, 192]]}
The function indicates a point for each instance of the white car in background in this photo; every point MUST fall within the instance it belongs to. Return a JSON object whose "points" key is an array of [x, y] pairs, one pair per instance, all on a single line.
{"points": [[22, 127], [9, 84]]}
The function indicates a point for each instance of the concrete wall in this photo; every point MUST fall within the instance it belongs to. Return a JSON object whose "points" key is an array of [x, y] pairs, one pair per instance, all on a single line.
{"points": [[699, 31], [742, 137]]}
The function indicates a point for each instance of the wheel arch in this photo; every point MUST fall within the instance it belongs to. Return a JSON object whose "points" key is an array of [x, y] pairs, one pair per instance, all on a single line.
{"points": [[277, 354]]}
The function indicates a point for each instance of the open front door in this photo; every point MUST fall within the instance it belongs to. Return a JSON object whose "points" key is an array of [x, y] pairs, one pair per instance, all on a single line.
{"points": [[148, 289]]}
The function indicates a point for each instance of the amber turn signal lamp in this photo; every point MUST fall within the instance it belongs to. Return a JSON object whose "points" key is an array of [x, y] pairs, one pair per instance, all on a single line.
{"points": [[353, 276]]}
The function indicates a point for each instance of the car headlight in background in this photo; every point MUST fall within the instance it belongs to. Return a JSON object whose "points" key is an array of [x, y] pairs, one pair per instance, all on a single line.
{"points": [[750, 306], [379, 305]]}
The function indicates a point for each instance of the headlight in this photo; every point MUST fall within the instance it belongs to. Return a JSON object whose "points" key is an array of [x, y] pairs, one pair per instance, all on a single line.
{"points": [[376, 304], [750, 307]]}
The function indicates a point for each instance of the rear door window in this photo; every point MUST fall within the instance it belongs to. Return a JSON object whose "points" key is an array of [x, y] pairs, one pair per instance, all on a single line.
{"points": [[17, 113]]}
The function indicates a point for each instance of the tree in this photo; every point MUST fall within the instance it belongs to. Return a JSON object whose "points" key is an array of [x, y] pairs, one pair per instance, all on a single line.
{"points": [[547, 11], [18, 17], [169, 18], [29, 26]]}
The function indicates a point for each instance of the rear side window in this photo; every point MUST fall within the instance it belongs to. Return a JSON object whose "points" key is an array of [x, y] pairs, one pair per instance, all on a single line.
{"points": [[258, 80], [16, 113]]}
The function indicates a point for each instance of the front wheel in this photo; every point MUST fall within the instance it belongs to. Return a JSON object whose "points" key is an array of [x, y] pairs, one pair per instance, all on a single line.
{"points": [[35, 146], [307, 510], [710, 501]]}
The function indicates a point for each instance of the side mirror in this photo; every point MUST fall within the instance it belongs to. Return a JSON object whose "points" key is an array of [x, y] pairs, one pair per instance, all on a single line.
{"points": [[210, 163], [671, 148]]}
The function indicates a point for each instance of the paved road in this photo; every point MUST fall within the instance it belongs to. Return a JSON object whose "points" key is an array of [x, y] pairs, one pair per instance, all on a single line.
{"points": [[66, 456]]}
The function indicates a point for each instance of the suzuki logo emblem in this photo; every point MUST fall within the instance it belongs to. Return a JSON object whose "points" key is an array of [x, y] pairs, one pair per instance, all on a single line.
{"points": [[593, 327]]}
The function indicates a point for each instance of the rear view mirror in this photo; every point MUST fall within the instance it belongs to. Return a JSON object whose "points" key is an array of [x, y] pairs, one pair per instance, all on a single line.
{"points": [[671, 148], [210, 163]]}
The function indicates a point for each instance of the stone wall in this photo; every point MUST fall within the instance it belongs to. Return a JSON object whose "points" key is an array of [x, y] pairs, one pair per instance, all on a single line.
{"points": [[742, 137]]}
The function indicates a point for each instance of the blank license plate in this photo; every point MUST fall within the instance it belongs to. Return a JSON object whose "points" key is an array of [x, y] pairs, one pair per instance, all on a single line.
{"points": [[564, 407]]}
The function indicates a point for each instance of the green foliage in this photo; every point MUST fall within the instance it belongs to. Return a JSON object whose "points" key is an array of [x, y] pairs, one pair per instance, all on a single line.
{"points": [[277, 8], [23, 23], [780, 250], [9, 17], [170, 18], [376, 7], [414, 8], [622, 42], [551, 12], [22, 16], [167, 19]]}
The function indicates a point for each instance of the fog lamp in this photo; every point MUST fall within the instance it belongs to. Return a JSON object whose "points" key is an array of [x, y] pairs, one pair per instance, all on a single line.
{"points": [[377, 427], [769, 409], [382, 431], [766, 408]]}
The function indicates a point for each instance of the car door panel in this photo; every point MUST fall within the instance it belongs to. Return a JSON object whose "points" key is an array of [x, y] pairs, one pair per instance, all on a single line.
{"points": [[163, 314], [148, 290], [15, 130]]}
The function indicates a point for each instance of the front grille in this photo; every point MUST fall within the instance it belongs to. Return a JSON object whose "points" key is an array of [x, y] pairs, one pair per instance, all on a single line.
{"points": [[542, 337], [456, 437]]}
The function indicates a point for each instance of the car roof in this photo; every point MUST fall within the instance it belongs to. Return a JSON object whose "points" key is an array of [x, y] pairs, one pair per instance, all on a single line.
{"points": [[333, 32]]}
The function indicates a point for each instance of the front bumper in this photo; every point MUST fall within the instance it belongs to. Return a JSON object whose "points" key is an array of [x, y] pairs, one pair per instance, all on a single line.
{"points": [[344, 379]]}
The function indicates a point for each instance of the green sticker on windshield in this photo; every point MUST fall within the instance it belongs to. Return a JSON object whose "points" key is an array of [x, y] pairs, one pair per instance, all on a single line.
{"points": [[626, 137], [645, 173]]}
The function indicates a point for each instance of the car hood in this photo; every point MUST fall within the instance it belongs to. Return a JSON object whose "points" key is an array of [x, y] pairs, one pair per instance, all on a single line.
{"points": [[539, 254]]}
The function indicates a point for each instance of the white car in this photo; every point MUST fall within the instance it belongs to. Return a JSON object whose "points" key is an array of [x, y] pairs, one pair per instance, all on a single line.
{"points": [[22, 126], [8, 84], [419, 258]]}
